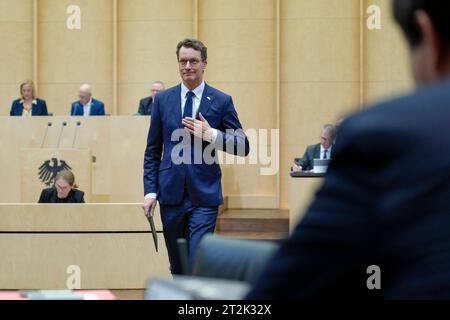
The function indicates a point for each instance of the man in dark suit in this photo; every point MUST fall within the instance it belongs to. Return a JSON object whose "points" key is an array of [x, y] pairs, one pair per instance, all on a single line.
{"points": [[322, 150], [145, 104], [189, 123], [86, 105], [383, 213]]}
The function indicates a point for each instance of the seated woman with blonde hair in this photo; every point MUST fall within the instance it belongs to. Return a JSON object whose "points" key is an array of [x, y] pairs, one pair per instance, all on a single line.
{"points": [[64, 190], [28, 105]]}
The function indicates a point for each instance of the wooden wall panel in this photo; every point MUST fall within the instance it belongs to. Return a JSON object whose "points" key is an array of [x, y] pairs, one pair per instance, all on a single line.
{"points": [[69, 58], [329, 63], [148, 32], [241, 62], [16, 50], [319, 73]]}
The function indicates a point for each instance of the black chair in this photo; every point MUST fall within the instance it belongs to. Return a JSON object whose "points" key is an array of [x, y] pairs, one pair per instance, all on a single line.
{"points": [[224, 269], [195, 288], [184, 256], [227, 258]]}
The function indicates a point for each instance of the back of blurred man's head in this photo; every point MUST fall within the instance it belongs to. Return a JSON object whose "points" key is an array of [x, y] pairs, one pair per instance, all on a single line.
{"points": [[427, 30]]}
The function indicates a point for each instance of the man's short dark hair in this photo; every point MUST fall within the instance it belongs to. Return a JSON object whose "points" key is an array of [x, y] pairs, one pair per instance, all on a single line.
{"points": [[194, 44], [438, 11]]}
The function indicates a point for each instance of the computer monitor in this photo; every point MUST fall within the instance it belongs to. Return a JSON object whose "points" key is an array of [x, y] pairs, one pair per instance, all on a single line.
{"points": [[320, 165]]}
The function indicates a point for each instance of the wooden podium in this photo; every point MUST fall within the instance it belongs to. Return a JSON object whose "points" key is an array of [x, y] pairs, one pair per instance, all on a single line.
{"points": [[303, 188], [40, 166]]}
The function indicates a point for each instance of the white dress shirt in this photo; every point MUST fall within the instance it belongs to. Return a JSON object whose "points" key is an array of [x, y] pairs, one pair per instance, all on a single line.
{"points": [[87, 108], [322, 149]]}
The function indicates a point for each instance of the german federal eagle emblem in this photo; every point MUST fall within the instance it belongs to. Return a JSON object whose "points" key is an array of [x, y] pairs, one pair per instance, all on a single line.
{"points": [[49, 169]]}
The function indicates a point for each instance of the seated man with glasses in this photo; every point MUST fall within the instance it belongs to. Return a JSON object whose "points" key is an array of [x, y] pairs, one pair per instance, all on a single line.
{"points": [[322, 150], [64, 190]]}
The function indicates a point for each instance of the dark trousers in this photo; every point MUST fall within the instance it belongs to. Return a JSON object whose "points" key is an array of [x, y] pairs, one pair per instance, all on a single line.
{"points": [[186, 221]]}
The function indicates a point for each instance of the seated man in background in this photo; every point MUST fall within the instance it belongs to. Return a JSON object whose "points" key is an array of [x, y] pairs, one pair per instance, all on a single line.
{"points": [[86, 105], [145, 105], [322, 150], [28, 105], [64, 190]]}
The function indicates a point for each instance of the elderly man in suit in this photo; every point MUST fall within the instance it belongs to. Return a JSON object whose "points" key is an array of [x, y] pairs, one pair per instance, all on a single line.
{"points": [[379, 225], [145, 105], [86, 105], [322, 150], [184, 175]]}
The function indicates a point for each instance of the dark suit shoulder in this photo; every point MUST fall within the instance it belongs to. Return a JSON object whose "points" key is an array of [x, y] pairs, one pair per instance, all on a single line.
{"points": [[16, 108], [394, 129], [313, 147], [217, 93], [313, 151], [47, 195], [169, 91], [166, 95], [428, 104], [95, 101], [77, 196], [48, 191], [145, 100]]}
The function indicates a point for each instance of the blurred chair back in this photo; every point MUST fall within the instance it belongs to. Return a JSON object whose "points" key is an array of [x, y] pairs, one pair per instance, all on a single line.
{"points": [[195, 288], [233, 259]]}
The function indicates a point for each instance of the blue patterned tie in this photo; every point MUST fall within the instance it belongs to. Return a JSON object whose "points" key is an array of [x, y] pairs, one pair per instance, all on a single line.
{"points": [[325, 154], [188, 105]]}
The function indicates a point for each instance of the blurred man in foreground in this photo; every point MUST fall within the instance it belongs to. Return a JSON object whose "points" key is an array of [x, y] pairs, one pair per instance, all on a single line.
{"points": [[383, 209]]}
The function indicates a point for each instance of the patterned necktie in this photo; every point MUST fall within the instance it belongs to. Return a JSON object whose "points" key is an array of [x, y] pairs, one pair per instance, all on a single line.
{"points": [[325, 154], [188, 105]]}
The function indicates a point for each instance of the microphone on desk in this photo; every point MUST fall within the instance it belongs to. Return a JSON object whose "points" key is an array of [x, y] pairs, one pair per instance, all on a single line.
{"points": [[49, 124], [76, 134], [60, 133]]}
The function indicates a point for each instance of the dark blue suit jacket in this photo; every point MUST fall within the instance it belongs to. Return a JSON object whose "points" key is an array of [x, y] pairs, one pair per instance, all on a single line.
{"points": [[384, 201], [38, 109], [97, 108], [203, 180]]}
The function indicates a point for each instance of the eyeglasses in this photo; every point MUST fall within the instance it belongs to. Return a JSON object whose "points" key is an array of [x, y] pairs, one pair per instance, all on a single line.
{"points": [[60, 188], [192, 62]]}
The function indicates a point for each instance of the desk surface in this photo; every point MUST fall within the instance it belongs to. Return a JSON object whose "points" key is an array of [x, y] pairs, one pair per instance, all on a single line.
{"points": [[301, 174], [73, 218]]}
